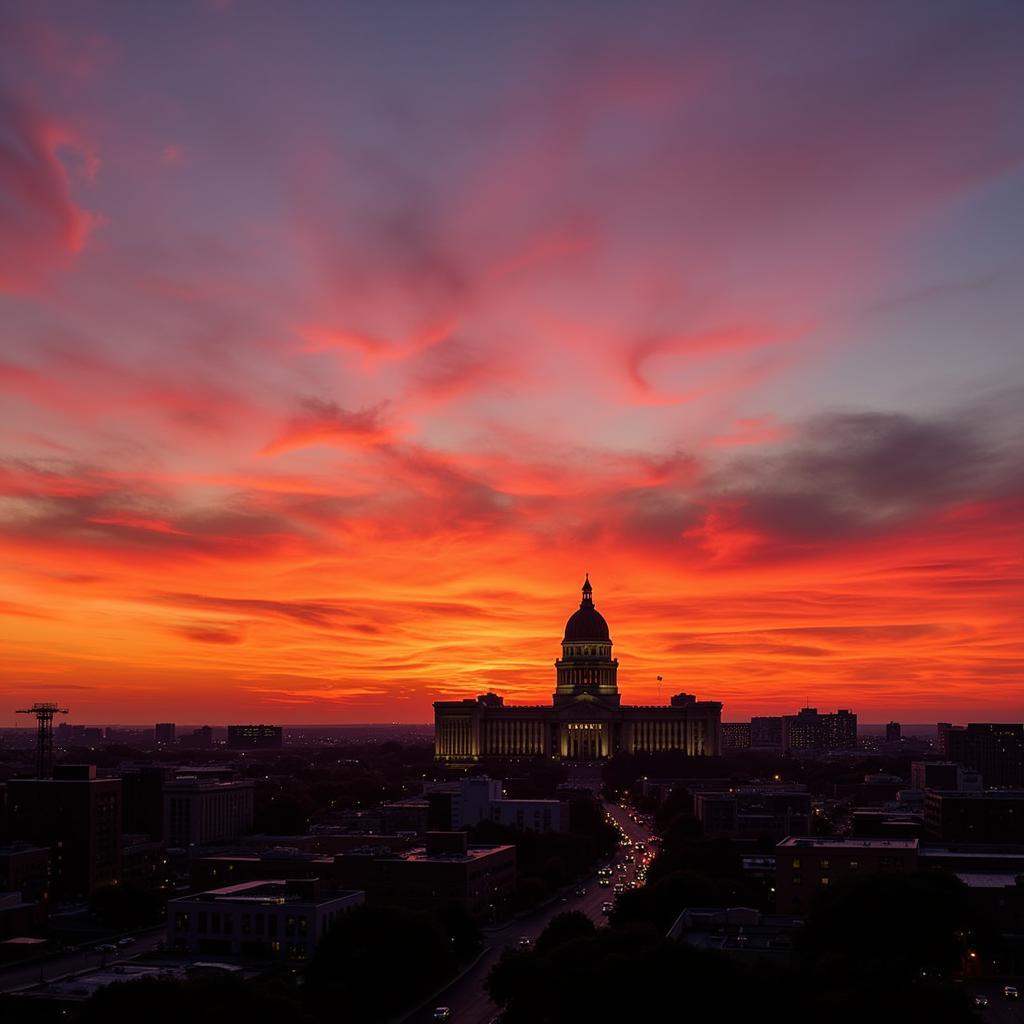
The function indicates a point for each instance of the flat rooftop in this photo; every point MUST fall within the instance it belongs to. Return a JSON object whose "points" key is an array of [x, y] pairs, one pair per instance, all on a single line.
{"points": [[848, 843], [269, 892]]}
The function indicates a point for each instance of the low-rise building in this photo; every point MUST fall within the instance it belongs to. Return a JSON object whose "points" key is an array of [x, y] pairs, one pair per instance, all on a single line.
{"points": [[752, 811], [463, 804], [443, 870], [742, 933], [197, 811], [944, 775], [259, 920], [804, 866], [993, 816]]}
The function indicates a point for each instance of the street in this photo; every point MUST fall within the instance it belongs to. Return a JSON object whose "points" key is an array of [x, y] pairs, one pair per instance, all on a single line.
{"points": [[466, 997], [18, 976]]}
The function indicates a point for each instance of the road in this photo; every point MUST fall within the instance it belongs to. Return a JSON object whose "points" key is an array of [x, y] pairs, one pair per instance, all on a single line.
{"points": [[19, 976], [466, 997], [1000, 1010]]}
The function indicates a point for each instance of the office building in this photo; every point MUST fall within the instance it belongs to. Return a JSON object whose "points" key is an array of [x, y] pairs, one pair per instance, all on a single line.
{"points": [[803, 867], [585, 720], [767, 733], [463, 804], [820, 733], [893, 732], [78, 816], [945, 775], [444, 869], [25, 869], [258, 920], [163, 734], [994, 749], [197, 811], [736, 736], [753, 811], [993, 816]]}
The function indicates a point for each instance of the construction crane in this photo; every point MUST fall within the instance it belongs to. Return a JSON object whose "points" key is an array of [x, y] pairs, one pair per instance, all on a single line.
{"points": [[44, 713]]}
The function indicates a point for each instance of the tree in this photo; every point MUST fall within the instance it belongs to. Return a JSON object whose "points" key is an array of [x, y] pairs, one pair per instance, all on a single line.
{"points": [[572, 924], [377, 961]]}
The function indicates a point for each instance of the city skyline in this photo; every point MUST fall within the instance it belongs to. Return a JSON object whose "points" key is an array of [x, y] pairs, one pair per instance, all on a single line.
{"points": [[338, 343]]}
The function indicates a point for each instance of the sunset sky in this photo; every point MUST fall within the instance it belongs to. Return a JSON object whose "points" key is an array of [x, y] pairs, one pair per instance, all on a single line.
{"points": [[338, 340]]}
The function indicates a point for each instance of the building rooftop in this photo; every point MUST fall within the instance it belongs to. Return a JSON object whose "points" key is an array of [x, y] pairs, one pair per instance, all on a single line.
{"points": [[848, 843], [268, 892], [988, 879], [419, 853]]}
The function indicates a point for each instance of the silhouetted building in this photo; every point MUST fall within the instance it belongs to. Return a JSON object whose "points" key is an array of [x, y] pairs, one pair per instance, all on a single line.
{"points": [[803, 867], [741, 933], [197, 811], [198, 739], [79, 817], [163, 734], [994, 749], [752, 811], [259, 920], [585, 721], [463, 804], [994, 816], [946, 775], [893, 732], [144, 863], [767, 733], [255, 737], [142, 791], [444, 869], [942, 731], [25, 869]]}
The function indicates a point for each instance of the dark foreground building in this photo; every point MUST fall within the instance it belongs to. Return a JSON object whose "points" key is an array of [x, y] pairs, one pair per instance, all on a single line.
{"points": [[585, 720]]}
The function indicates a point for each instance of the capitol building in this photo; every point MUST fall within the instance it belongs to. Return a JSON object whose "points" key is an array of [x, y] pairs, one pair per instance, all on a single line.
{"points": [[585, 720]]}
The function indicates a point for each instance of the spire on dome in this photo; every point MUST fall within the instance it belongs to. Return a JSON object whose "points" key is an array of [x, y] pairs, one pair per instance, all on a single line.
{"points": [[588, 591]]}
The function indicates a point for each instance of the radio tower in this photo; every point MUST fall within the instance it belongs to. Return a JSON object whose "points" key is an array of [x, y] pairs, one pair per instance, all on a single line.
{"points": [[44, 735]]}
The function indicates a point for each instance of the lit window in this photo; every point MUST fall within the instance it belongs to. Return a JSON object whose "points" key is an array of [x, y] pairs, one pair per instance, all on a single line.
{"points": [[796, 862], [824, 880]]}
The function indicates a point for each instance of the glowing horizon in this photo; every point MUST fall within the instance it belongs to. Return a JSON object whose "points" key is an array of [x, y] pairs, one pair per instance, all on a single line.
{"points": [[337, 344]]}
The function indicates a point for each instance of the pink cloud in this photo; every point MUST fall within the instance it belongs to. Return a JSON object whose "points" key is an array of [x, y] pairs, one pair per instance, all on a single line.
{"points": [[41, 226]]}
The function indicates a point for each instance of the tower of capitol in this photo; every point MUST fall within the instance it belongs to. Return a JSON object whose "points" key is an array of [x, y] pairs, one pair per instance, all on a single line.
{"points": [[586, 720]]}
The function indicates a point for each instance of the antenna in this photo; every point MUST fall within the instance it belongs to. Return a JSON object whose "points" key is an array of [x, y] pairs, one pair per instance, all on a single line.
{"points": [[659, 689], [43, 713]]}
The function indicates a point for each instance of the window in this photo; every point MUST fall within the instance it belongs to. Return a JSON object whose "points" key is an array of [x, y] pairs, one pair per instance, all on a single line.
{"points": [[854, 865], [202, 922], [824, 880], [796, 862], [797, 880], [272, 925], [824, 865]]}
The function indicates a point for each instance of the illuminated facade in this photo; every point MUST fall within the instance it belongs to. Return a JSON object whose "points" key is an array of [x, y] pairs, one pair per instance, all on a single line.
{"points": [[585, 721]]}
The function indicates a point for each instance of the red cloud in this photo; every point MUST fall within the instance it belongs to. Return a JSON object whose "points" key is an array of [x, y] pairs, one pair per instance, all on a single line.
{"points": [[326, 423], [41, 227]]}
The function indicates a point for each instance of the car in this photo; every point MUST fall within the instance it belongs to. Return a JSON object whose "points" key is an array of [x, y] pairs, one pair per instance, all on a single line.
{"points": [[981, 1000], [607, 908], [106, 947], [581, 892], [442, 1013], [128, 940], [525, 942], [1010, 991], [604, 882]]}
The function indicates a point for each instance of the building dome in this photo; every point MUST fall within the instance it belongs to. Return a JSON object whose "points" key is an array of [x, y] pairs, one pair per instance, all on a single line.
{"points": [[587, 623]]}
